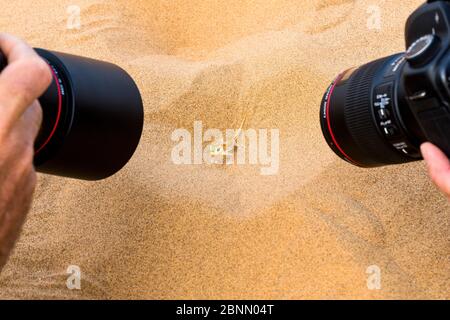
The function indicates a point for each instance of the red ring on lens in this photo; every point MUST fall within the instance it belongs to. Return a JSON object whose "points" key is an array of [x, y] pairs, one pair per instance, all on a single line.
{"points": [[330, 130], [58, 116]]}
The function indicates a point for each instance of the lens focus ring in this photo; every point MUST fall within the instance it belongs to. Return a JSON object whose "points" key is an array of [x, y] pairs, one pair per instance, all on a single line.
{"points": [[348, 120], [360, 119]]}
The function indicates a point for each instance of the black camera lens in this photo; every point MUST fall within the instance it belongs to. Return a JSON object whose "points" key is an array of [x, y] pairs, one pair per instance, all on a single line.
{"points": [[92, 118], [364, 118]]}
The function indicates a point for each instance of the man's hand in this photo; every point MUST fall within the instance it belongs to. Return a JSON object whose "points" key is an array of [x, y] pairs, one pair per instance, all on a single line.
{"points": [[438, 166], [24, 80]]}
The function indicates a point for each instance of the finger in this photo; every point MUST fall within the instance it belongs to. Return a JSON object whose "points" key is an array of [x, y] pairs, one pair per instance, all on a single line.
{"points": [[438, 166], [24, 80], [21, 139], [30, 123], [20, 84], [14, 49]]}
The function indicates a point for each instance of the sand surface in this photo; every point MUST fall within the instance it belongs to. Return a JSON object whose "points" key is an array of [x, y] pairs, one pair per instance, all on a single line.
{"points": [[157, 230]]}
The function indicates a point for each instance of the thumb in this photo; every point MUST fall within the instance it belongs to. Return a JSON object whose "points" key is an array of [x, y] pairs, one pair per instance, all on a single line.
{"points": [[438, 166]]}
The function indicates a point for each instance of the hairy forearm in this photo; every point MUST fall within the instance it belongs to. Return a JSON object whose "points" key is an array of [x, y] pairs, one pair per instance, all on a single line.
{"points": [[18, 181]]}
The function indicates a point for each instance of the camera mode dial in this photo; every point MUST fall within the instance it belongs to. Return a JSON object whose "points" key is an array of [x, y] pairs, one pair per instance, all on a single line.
{"points": [[422, 50]]}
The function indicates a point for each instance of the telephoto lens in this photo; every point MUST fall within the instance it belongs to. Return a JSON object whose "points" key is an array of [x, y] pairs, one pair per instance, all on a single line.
{"points": [[92, 118], [365, 119]]}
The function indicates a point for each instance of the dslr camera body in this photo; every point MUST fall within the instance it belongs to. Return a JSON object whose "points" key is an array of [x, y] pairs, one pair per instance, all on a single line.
{"points": [[380, 113]]}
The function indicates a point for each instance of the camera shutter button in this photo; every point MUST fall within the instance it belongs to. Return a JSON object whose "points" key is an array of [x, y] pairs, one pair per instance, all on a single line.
{"points": [[423, 49]]}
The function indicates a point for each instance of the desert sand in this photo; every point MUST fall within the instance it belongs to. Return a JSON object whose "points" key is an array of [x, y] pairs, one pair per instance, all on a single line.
{"points": [[158, 230]]}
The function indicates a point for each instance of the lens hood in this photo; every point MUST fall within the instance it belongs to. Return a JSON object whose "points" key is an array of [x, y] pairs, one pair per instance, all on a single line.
{"points": [[93, 118]]}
